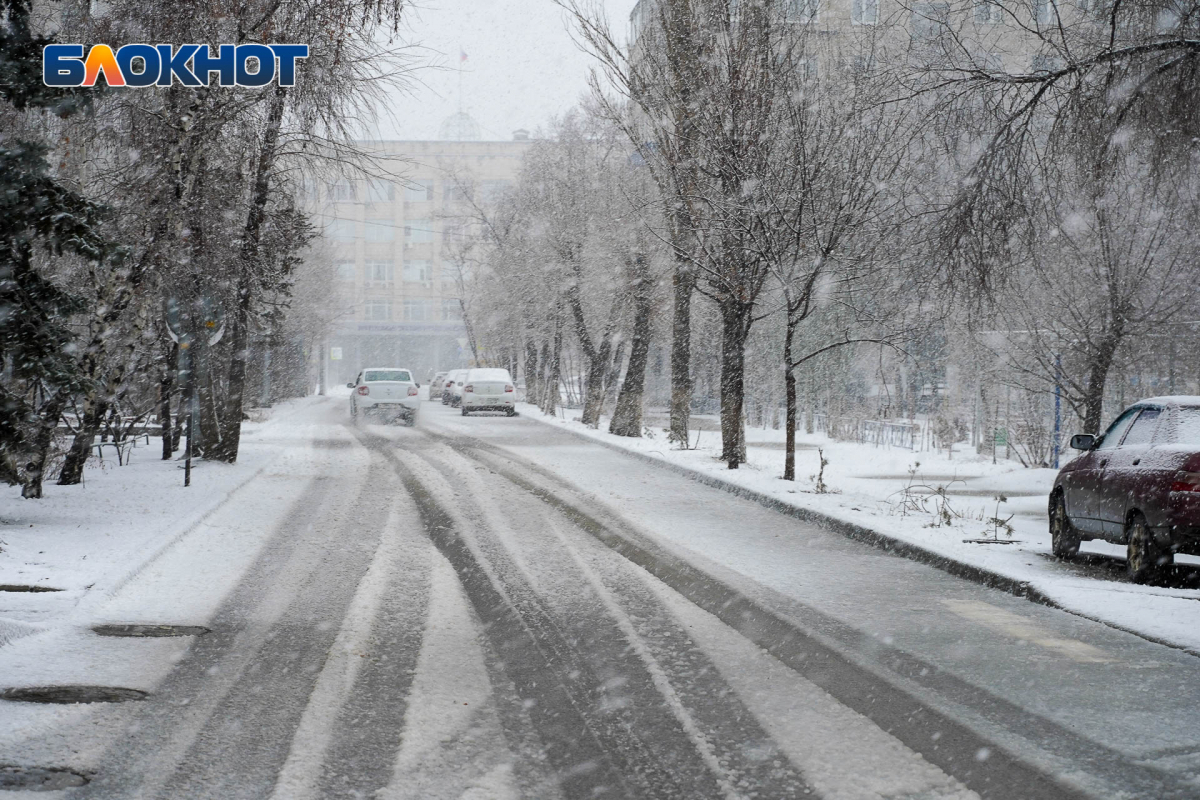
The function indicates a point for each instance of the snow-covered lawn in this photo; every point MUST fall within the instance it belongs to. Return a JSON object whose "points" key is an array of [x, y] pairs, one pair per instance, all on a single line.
{"points": [[888, 490], [88, 541]]}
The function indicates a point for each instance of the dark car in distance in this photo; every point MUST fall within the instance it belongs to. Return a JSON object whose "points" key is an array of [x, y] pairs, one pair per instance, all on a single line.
{"points": [[1137, 484]]}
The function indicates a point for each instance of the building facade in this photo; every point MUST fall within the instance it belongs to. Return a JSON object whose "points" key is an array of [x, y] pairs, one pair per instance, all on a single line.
{"points": [[395, 248]]}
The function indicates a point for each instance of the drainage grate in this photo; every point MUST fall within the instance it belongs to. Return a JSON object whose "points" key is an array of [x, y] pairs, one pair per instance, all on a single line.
{"points": [[150, 631], [38, 779], [13, 587], [72, 694]]}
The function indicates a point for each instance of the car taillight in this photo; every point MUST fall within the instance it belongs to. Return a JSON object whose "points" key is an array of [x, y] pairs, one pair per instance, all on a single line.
{"points": [[508, 388], [1186, 482], [412, 391], [469, 388], [363, 390]]}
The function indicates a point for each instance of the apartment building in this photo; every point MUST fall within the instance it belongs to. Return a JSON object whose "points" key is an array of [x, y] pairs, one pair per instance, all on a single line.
{"points": [[394, 247], [1012, 35]]}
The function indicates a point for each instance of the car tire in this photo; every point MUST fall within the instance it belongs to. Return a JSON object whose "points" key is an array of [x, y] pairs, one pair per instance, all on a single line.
{"points": [[1064, 539], [512, 412], [411, 420], [1146, 558], [464, 411]]}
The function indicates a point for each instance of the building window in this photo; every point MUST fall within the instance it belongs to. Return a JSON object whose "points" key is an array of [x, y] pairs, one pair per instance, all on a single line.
{"points": [[458, 195], [381, 272], [419, 191], [864, 12], [415, 309], [929, 19], [452, 310], [988, 12], [802, 10], [418, 231], [379, 309], [808, 69], [345, 271], [417, 270], [380, 230], [1042, 13], [492, 191], [380, 191], [341, 230], [341, 192]]}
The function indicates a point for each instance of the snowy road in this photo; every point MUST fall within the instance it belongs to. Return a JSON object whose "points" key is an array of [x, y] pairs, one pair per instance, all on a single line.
{"points": [[489, 608]]}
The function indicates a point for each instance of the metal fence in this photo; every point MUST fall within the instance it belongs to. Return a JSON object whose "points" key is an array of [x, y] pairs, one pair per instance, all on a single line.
{"points": [[881, 433]]}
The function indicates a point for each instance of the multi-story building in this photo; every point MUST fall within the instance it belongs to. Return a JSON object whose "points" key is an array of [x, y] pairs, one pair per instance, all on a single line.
{"points": [[395, 244]]}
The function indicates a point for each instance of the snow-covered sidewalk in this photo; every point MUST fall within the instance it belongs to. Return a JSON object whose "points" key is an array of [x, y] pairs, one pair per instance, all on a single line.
{"points": [[890, 495], [80, 544]]}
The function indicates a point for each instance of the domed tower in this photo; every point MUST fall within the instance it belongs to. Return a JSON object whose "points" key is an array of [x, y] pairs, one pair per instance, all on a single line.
{"points": [[460, 127]]}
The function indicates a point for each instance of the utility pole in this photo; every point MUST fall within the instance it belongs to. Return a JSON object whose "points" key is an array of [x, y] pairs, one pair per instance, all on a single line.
{"points": [[1057, 407]]}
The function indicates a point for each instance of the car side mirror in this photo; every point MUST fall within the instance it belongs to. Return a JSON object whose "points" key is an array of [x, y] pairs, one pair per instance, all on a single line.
{"points": [[349, 385], [418, 386], [1083, 441]]}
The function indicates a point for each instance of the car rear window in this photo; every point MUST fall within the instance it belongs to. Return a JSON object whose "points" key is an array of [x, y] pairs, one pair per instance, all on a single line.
{"points": [[1188, 429], [376, 375], [490, 375]]}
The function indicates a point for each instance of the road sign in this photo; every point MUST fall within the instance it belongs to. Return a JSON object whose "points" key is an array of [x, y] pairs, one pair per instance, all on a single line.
{"points": [[335, 354]]}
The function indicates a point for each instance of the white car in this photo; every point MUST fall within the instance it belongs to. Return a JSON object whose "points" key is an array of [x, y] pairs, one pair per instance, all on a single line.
{"points": [[454, 384], [388, 392], [488, 390]]}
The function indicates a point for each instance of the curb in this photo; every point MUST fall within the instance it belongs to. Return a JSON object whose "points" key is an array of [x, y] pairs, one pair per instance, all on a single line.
{"points": [[870, 536]]}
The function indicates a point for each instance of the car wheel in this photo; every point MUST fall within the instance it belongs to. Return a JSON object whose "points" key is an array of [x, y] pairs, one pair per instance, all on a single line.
{"points": [[410, 420], [1146, 559], [1064, 539], [512, 412], [464, 411]]}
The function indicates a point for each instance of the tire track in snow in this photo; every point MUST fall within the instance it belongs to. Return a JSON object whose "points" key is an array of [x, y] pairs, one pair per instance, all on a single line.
{"points": [[589, 757], [675, 743], [220, 726], [944, 739], [351, 725]]}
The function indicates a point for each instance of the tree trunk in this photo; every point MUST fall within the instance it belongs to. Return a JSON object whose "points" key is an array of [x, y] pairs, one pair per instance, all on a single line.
{"points": [[166, 387], [43, 439], [532, 372], [231, 416], [614, 372], [593, 402], [681, 352], [101, 389], [735, 328], [789, 387], [810, 419], [550, 405], [627, 417], [1098, 368], [543, 373]]}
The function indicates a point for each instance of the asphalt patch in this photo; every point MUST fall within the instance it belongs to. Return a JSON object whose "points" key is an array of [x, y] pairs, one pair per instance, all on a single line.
{"points": [[38, 779], [150, 631], [65, 695]]}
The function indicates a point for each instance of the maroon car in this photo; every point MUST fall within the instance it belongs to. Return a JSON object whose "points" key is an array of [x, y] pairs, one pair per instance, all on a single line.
{"points": [[1138, 485]]}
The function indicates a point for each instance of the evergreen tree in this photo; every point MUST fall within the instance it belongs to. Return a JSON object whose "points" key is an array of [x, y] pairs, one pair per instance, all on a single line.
{"points": [[38, 369]]}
